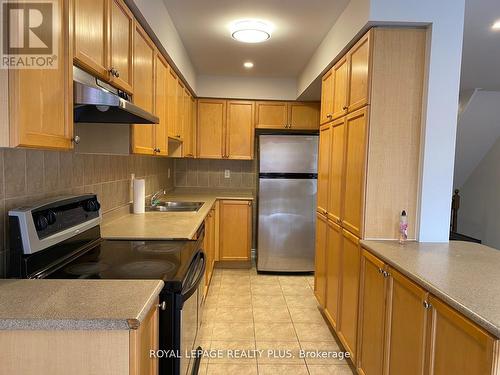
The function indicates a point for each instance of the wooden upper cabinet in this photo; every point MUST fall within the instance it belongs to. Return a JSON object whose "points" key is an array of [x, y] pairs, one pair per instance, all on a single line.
{"points": [[90, 35], [172, 104], [359, 69], [333, 258], [271, 115], [406, 326], [189, 128], [320, 259], [121, 34], [235, 230], [44, 119], [327, 97], [355, 165], [348, 317], [144, 60], [303, 116], [457, 345], [372, 314], [340, 73], [336, 170], [323, 168], [180, 114], [240, 130], [160, 130], [211, 120]]}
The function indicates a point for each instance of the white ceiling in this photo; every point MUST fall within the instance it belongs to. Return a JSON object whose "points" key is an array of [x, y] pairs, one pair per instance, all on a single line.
{"points": [[300, 26], [481, 49]]}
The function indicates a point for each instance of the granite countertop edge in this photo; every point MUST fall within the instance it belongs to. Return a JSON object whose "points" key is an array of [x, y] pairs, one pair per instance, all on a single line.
{"points": [[486, 324]]}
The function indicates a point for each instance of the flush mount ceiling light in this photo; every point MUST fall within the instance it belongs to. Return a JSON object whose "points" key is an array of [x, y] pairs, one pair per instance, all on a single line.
{"points": [[248, 64], [251, 31], [496, 25]]}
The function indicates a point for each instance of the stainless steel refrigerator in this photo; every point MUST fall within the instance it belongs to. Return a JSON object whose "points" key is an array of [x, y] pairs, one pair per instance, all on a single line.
{"points": [[287, 202]]}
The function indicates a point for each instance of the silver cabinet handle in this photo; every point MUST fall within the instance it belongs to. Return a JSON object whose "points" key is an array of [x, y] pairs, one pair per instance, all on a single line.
{"points": [[427, 305], [329, 115], [386, 274], [163, 305], [380, 270], [75, 139]]}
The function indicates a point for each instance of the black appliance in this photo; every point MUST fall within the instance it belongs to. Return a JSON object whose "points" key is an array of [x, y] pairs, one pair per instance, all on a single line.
{"points": [[60, 239]]}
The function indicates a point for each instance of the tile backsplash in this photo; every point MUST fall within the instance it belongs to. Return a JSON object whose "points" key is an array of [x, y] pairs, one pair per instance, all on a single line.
{"points": [[27, 176], [210, 173]]}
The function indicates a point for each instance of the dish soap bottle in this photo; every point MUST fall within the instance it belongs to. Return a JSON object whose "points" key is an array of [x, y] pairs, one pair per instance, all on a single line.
{"points": [[403, 227]]}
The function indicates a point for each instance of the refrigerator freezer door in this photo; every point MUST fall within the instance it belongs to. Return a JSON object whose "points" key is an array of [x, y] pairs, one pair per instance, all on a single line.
{"points": [[286, 225], [288, 153]]}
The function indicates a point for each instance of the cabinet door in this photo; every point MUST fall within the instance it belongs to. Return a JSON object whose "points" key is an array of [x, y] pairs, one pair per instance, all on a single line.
{"points": [[180, 110], [44, 120], [142, 340], [271, 115], [348, 319], [333, 260], [121, 33], [144, 57], [235, 230], [240, 130], [211, 120], [209, 245], [359, 68], [457, 345], [161, 137], [90, 33], [340, 88], [336, 174], [187, 144], [327, 97], [323, 168], [320, 259], [303, 116], [355, 164], [172, 104], [406, 327], [372, 308]]}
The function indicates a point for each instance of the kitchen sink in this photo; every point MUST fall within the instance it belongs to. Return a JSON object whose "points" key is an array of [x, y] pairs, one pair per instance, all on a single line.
{"points": [[172, 206]]}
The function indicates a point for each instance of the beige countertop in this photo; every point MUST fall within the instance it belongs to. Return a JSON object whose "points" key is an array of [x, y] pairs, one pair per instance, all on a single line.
{"points": [[76, 304], [168, 225], [463, 274]]}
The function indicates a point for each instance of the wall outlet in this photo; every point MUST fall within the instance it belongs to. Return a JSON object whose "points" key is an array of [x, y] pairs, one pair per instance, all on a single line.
{"points": [[227, 173], [168, 173]]}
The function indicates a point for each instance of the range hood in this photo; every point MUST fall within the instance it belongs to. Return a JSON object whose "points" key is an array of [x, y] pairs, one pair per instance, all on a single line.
{"points": [[97, 102]]}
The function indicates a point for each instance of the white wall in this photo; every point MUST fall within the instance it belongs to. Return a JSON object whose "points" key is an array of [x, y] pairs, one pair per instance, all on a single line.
{"points": [[246, 87], [160, 22], [441, 103], [479, 213]]}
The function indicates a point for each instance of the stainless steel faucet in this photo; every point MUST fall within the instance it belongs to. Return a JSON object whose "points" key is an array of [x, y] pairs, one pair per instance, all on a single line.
{"points": [[154, 197]]}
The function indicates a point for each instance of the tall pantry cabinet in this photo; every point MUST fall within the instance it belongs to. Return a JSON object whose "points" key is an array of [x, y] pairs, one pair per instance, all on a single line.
{"points": [[368, 161]]}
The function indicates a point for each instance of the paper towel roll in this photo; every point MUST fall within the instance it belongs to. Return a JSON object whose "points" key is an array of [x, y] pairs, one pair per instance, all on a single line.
{"points": [[139, 195]]}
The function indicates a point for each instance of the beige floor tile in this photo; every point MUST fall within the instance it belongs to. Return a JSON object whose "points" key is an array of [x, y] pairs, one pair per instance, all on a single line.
{"points": [[268, 301], [271, 314], [267, 369], [233, 331], [301, 301], [205, 331], [231, 369], [234, 352], [202, 370], [264, 279], [236, 271], [323, 353], [293, 280], [266, 289], [234, 314], [209, 315], [279, 352], [298, 289], [306, 315], [274, 332], [313, 332], [330, 370], [243, 300], [235, 290]]}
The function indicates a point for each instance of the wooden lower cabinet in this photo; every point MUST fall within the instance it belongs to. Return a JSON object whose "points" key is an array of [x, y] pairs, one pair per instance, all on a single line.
{"points": [[235, 230], [407, 319], [372, 314], [458, 346], [350, 266], [82, 352], [320, 259], [333, 259], [210, 245]]}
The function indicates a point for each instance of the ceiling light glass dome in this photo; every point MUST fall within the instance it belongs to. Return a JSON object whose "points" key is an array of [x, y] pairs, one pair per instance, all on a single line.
{"points": [[251, 31]]}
